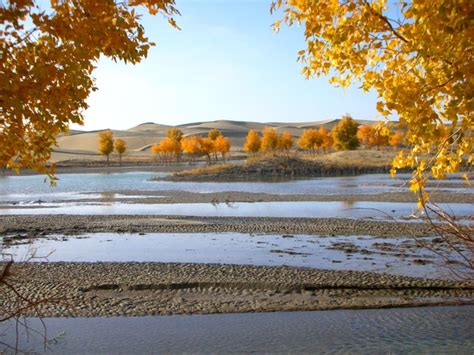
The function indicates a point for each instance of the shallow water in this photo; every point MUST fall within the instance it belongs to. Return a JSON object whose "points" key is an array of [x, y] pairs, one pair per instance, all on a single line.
{"points": [[238, 248], [75, 186], [310, 209], [398, 330]]}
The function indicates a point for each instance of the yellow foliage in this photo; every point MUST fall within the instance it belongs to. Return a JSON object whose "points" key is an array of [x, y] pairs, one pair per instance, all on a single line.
{"points": [[345, 134], [269, 140], [170, 147], [120, 146], [328, 141], [174, 134], [396, 140], [311, 139], [191, 145], [252, 143], [155, 149], [48, 54], [373, 136], [418, 62], [106, 143], [222, 145], [285, 142], [213, 134], [206, 147]]}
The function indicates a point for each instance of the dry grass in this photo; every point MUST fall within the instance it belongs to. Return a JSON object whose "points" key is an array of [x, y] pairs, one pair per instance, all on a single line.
{"points": [[208, 169], [358, 158]]}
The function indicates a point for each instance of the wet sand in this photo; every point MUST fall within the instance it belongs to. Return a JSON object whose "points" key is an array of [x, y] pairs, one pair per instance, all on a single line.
{"points": [[138, 289], [41, 225]]}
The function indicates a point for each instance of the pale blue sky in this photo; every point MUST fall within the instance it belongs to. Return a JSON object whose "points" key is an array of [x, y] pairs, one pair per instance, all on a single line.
{"points": [[225, 63]]}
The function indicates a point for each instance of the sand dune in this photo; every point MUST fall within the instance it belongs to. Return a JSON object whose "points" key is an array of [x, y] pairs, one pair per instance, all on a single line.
{"points": [[140, 138]]}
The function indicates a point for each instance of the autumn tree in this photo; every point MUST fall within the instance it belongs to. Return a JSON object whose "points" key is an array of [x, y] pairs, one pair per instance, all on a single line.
{"points": [[120, 147], [174, 134], [364, 133], [156, 150], [269, 140], [170, 148], [396, 140], [206, 147], [252, 142], [222, 145], [310, 140], [345, 134], [418, 60], [213, 134], [48, 56], [106, 143], [285, 142], [327, 140], [191, 146]]}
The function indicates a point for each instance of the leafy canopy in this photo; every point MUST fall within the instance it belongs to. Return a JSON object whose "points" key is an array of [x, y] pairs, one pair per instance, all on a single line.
{"points": [[345, 134], [252, 142], [47, 59], [106, 142], [120, 146], [418, 59]]}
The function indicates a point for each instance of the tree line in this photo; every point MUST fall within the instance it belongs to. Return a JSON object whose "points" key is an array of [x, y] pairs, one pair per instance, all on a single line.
{"points": [[346, 135], [171, 148]]}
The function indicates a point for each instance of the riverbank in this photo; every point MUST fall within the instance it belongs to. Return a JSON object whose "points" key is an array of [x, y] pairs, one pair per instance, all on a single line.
{"points": [[138, 289]]}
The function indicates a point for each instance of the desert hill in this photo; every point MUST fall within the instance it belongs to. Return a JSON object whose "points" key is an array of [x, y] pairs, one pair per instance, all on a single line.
{"points": [[140, 138]]}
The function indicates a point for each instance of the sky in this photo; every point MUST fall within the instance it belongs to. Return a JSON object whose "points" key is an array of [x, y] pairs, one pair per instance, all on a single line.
{"points": [[225, 63]]}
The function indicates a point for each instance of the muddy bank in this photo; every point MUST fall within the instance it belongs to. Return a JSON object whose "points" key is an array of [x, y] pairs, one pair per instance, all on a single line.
{"points": [[138, 289], [38, 225]]}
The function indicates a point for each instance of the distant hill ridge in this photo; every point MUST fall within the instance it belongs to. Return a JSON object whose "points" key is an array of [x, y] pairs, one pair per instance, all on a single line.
{"points": [[139, 138]]}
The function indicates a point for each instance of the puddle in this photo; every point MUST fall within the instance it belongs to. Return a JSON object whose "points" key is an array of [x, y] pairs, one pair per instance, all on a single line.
{"points": [[362, 253]]}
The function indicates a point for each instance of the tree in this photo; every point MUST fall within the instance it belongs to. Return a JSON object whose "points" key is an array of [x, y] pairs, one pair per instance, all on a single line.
{"points": [[213, 134], [345, 134], [252, 142], [191, 146], [396, 140], [174, 134], [170, 148], [222, 145], [206, 147], [310, 140], [120, 148], [328, 141], [269, 140], [106, 143], [285, 142], [48, 56], [364, 133], [156, 150], [418, 61]]}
